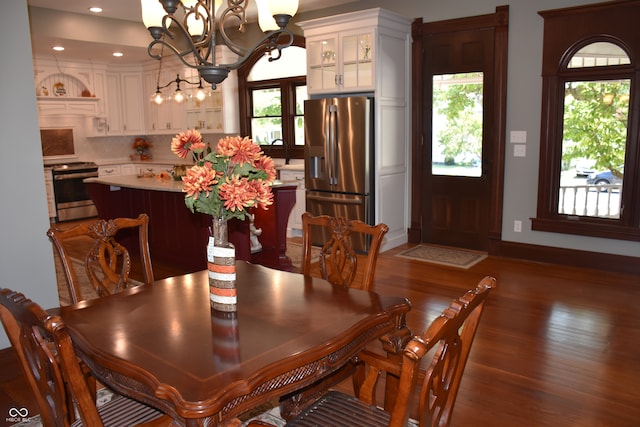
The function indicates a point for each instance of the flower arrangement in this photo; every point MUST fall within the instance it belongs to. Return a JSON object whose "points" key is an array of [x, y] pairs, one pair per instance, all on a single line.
{"points": [[226, 182], [141, 146]]}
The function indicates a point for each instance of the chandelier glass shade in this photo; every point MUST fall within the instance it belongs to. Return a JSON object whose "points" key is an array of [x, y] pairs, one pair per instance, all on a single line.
{"points": [[191, 28]]}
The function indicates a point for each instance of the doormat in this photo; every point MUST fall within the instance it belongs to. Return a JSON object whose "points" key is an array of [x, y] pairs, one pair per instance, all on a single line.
{"points": [[452, 257]]}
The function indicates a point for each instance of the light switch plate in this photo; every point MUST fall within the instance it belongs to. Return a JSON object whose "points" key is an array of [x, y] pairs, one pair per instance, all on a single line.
{"points": [[518, 136], [519, 150]]}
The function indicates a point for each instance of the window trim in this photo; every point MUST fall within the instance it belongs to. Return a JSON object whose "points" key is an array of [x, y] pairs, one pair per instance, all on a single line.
{"points": [[245, 106], [566, 31]]}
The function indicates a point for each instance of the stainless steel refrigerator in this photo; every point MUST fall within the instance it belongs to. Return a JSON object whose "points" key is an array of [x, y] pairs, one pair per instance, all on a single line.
{"points": [[339, 159]]}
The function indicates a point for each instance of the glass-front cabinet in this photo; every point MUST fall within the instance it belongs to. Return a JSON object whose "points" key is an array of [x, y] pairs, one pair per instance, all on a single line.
{"points": [[205, 114], [340, 61]]}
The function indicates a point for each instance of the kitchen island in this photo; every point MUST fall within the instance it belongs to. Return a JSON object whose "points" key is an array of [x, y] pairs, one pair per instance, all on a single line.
{"points": [[178, 237]]}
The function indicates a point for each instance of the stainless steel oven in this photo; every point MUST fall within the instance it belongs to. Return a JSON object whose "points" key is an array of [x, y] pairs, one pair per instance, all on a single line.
{"points": [[70, 192]]}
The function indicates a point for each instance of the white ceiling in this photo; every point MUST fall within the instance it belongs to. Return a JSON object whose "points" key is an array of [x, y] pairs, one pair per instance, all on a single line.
{"points": [[79, 46]]}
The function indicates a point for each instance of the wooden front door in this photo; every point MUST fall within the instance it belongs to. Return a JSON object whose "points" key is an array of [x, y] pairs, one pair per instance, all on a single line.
{"points": [[460, 74]]}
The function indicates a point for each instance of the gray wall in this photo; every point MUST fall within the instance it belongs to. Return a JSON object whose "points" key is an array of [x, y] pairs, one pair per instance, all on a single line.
{"points": [[26, 256]]}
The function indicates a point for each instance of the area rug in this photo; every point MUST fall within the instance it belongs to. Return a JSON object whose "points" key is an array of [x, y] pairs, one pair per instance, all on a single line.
{"points": [[294, 252], [452, 257]]}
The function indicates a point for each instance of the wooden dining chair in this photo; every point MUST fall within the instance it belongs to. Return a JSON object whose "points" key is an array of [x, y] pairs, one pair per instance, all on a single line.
{"points": [[107, 264], [449, 338], [338, 262], [51, 367]]}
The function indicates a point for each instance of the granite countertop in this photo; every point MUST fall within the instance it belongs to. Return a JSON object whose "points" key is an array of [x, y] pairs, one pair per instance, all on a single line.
{"points": [[150, 183]]}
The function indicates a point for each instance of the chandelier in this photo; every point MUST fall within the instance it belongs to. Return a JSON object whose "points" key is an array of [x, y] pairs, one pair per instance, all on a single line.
{"points": [[191, 28]]}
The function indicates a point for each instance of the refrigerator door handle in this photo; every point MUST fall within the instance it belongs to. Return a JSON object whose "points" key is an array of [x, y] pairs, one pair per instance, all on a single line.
{"points": [[333, 200], [332, 144]]}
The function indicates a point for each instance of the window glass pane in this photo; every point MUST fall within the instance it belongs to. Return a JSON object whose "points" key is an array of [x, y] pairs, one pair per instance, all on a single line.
{"points": [[301, 96], [292, 63], [266, 102], [599, 54], [457, 124], [266, 124], [593, 147], [267, 131]]}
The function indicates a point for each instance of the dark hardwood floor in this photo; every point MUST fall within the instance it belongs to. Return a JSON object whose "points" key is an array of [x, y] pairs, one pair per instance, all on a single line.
{"points": [[556, 345]]}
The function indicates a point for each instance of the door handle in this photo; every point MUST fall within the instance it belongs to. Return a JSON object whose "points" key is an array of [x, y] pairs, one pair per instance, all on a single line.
{"points": [[334, 200], [332, 160]]}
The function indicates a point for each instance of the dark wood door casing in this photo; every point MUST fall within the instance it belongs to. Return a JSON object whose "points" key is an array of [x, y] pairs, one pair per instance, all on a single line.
{"points": [[493, 159]]}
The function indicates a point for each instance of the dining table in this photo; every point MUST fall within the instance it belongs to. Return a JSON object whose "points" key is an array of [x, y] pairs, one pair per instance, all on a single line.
{"points": [[164, 345]]}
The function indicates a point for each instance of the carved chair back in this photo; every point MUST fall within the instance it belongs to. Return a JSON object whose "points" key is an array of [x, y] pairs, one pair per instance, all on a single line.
{"points": [[53, 371], [24, 323], [449, 338], [338, 261], [107, 263]]}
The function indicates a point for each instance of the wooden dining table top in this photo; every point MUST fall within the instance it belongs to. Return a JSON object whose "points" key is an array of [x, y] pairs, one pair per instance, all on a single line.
{"points": [[164, 345]]}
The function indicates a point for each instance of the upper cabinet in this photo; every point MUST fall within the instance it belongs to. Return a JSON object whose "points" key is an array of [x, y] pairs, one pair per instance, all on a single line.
{"points": [[168, 117], [340, 61], [124, 96], [354, 52], [121, 110], [204, 115]]}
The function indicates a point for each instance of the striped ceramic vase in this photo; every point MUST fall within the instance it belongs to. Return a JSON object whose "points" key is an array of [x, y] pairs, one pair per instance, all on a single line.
{"points": [[221, 257]]}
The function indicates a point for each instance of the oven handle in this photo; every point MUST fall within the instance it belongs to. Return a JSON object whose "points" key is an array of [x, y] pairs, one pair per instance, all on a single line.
{"points": [[75, 176]]}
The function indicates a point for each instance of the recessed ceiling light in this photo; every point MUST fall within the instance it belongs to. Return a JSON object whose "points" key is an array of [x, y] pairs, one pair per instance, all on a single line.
{"points": [[95, 9], [58, 48], [118, 54]]}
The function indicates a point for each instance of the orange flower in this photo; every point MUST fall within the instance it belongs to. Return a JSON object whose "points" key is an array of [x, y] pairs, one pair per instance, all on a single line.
{"points": [[266, 164], [184, 142], [264, 195], [240, 150], [199, 179], [237, 193]]}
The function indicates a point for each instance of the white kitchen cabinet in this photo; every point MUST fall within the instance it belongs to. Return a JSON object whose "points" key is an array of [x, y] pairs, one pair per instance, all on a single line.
{"points": [[168, 117], [372, 51], [294, 225], [127, 169], [353, 52], [123, 105], [218, 112], [108, 170], [206, 115], [132, 103], [113, 100], [152, 169], [340, 61]]}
